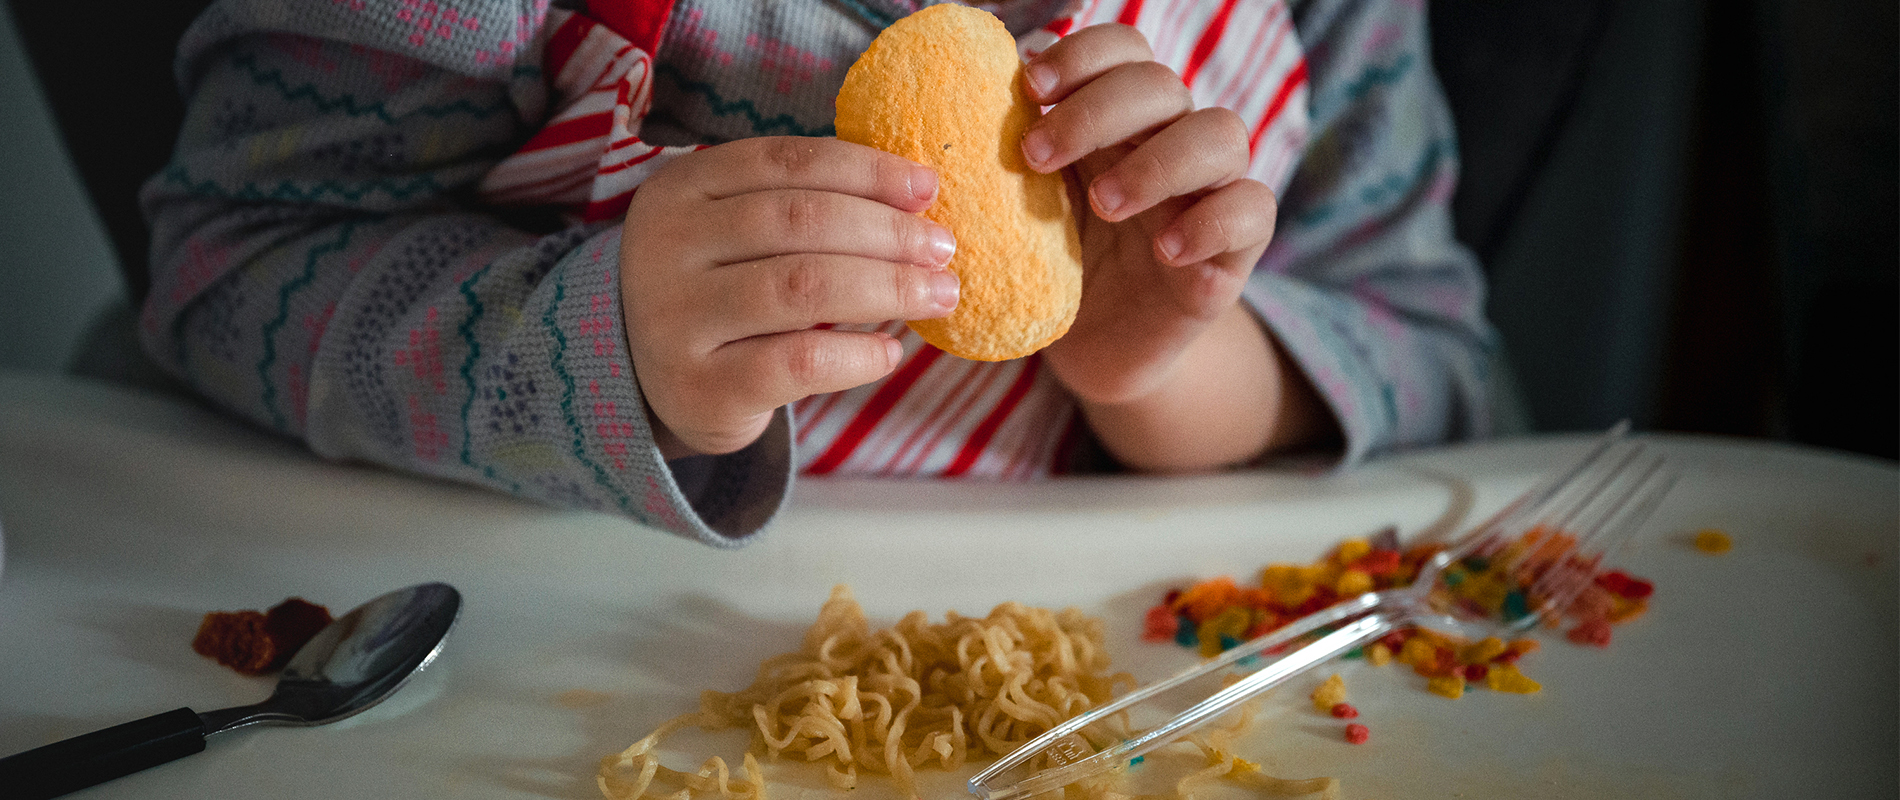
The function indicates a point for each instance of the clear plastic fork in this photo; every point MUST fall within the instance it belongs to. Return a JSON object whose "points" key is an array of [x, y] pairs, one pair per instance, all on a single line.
{"points": [[1551, 540]]}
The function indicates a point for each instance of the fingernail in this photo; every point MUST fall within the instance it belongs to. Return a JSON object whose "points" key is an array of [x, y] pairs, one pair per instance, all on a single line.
{"points": [[1042, 78], [944, 290], [1108, 196], [1037, 148], [894, 349], [1170, 242], [943, 245], [923, 182]]}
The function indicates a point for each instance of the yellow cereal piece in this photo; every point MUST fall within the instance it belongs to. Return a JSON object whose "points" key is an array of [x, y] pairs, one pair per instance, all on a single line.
{"points": [[1353, 582], [1232, 623], [1507, 678], [1378, 654], [1418, 652], [1452, 686], [1329, 694], [1486, 589], [1712, 541], [1481, 651], [943, 87], [1287, 583], [1350, 551]]}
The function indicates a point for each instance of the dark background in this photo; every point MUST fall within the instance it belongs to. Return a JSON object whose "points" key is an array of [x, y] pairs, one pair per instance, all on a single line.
{"points": [[1687, 208]]}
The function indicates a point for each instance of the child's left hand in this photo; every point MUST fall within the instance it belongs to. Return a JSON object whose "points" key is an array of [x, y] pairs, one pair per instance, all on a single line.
{"points": [[1173, 227]]}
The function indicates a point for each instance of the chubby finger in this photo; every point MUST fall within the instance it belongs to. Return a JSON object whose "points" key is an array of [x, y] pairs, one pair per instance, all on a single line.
{"points": [[1230, 226], [1206, 149], [804, 162], [1123, 103], [779, 222], [769, 371], [1081, 57], [788, 293]]}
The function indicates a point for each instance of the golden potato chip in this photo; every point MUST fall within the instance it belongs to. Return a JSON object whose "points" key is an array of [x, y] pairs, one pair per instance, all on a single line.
{"points": [[943, 87]]}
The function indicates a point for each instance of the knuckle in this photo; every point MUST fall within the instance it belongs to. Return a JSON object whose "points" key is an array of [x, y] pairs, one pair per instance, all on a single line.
{"points": [[807, 363], [789, 155], [800, 213], [802, 287]]}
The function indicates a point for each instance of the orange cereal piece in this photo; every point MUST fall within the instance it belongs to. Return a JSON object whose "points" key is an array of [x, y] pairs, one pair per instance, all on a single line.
{"points": [[1452, 686], [1329, 694], [1507, 678], [1624, 609], [1205, 599], [1712, 541]]}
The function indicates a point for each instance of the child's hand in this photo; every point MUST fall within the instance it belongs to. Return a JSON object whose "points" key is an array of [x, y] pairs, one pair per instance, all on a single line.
{"points": [[1173, 228], [729, 257]]}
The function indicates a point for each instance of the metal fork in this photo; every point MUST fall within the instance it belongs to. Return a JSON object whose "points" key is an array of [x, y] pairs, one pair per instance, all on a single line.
{"points": [[1552, 538]]}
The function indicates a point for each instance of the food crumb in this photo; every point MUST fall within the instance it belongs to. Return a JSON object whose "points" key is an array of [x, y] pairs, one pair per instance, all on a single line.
{"points": [[1712, 541], [1329, 694], [582, 698], [259, 642], [1357, 733]]}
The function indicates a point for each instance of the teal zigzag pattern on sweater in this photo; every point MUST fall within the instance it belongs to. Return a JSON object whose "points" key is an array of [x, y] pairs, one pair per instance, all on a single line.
{"points": [[761, 124], [349, 104]]}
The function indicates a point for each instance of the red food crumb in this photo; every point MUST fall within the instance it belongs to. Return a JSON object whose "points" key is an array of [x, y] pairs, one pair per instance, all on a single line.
{"points": [[1593, 632], [1476, 672], [1380, 563], [1357, 733], [254, 642], [1160, 625], [1344, 711]]}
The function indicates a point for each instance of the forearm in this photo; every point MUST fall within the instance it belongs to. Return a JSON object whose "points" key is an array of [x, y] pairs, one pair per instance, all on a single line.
{"points": [[1232, 396]]}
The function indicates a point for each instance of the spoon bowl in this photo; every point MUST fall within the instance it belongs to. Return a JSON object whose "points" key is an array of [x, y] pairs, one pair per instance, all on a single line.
{"points": [[352, 664]]}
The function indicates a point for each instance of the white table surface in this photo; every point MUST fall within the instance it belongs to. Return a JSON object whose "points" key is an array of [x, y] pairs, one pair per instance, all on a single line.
{"points": [[1769, 672]]}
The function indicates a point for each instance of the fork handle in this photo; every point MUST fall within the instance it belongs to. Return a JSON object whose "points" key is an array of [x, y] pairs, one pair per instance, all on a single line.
{"points": [[93, 758], [994, 783]]}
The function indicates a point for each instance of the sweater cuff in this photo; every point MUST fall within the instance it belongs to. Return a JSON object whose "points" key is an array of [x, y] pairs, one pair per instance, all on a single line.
{"points": [[1318, 330], [718, 500]]}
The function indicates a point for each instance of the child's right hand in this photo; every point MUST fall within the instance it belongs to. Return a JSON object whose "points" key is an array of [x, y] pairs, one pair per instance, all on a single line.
{"points": [[730, 255]]}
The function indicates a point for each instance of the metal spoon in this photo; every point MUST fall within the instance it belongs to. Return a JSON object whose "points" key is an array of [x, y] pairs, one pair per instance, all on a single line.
{"points": [[350, 665]]}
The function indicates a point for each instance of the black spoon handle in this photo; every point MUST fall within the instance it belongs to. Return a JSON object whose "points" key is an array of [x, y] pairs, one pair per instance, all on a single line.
{"points": [[97, 757]]}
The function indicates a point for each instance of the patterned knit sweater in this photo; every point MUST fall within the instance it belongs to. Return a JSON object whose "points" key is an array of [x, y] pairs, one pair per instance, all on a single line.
{"points": [[326, 264]]}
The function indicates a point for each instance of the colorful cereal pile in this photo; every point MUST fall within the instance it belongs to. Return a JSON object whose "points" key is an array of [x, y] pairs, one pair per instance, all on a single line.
{"points": [[1218, 614]]}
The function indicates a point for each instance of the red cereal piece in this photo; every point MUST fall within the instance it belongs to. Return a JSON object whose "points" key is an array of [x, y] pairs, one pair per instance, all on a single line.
{"points": [[1357, 733], [1344, 711], [1395, 640], [1475, 673], [1594, 632], [1624, 585], [1380, 563], [1160, 625]]}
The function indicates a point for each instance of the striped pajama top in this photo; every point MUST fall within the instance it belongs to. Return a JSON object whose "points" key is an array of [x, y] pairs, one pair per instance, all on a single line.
{"points": [[935, 415]]}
